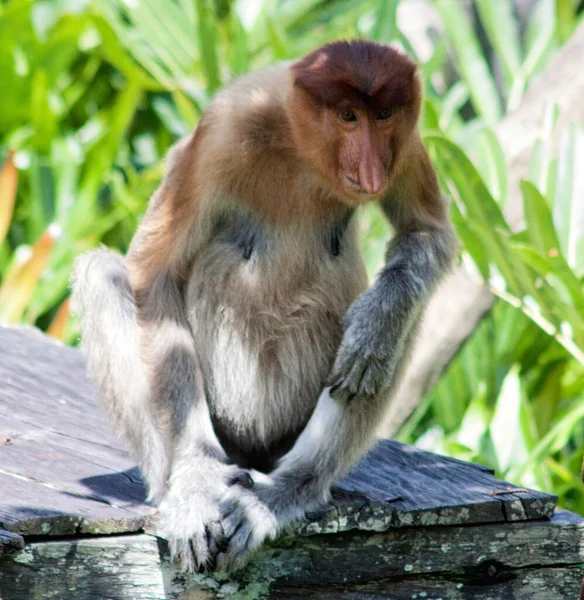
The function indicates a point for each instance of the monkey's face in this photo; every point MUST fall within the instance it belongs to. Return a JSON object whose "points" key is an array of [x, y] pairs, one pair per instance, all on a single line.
{"points": [[365, 140], [352, 112]]}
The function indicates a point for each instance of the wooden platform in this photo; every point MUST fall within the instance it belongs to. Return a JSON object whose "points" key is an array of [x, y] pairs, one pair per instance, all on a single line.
{"points": [[404, 523]]}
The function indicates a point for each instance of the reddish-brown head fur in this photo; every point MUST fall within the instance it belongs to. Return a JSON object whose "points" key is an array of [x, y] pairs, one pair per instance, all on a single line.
{"points": [[353, 108]]}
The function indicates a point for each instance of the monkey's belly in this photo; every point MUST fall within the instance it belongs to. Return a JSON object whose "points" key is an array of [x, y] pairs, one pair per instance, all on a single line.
{"points": [[266, 336], [264, 368]]}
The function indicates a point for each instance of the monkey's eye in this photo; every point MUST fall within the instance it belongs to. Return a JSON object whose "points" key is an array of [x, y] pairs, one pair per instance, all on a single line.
{"points": [[384, 115], [348, 116]]}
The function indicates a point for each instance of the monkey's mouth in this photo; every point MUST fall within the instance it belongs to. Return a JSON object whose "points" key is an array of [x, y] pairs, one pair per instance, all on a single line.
{"points": [[356, 186], [355, 183]]}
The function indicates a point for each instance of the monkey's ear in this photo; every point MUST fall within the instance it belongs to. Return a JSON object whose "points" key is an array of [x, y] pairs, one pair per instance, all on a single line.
{"points": [[307, 76]]}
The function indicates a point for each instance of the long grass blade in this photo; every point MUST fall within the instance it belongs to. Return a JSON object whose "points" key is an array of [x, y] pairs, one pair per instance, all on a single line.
{"points": [[471, 62], [17, 288], [8, 186]]}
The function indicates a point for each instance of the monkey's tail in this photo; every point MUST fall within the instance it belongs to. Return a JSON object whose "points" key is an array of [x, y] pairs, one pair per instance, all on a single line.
{"points": [[102, 297]]}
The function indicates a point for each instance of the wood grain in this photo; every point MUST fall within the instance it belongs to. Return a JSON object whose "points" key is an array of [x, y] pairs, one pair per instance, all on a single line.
{"points": [[64, 472], [10, 542], [539, 560]]}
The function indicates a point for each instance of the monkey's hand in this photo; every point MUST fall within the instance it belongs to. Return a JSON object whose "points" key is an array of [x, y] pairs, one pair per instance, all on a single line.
{"points": [[371, 346], [249, 517], [190, 517]]}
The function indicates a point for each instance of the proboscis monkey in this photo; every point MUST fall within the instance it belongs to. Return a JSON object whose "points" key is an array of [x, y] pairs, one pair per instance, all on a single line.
{"points": [[237, 345]]}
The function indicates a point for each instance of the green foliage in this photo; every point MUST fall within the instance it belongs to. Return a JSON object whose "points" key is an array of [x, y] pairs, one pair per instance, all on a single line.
{"points": [[99, 89], [514, 397]]}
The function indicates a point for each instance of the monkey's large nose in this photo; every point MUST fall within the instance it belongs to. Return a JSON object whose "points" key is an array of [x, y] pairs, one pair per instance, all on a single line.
{"points": [[371, 175]]}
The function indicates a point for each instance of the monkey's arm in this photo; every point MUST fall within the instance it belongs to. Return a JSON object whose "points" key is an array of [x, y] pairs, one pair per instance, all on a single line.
{"points": [[380, 321], [379, 328]]}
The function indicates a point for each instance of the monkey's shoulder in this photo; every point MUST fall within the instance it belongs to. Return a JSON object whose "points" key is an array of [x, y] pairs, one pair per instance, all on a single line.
{"points": [[251, 112]]}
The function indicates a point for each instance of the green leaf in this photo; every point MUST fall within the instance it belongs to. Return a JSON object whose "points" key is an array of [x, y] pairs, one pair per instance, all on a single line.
{"points": [[555, 271], [471, 62], [540, 225], [479, 203], [486, 221], [541, 155], [277, 40], [148, 73], [565, 20], [102, 156], [453, 101], [506, 429], [568, 209], [492, 160], [540, 37], [430, 116], [186, 108], [475, 422], [385, 28], [239, 61], [502, 27], [470, 240], [208, 44]]}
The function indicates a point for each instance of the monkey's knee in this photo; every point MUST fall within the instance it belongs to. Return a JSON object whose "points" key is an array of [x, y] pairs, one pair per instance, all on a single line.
{"points": [[99, 277]]}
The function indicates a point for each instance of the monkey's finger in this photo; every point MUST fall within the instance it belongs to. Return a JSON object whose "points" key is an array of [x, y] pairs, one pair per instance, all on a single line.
{"points": [[350, 386], [240, 544], [237, 554], [372, 378], [233, 522], [339, 372], [343, 395], [216, 540], [217, 544], [232, 511], [355, 376], [225, 562], [227, 506], [181, 550]]}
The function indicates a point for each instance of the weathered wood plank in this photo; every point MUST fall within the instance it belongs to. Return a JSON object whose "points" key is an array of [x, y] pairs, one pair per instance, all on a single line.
{"points": [[498, 561], [58, 475], [530, 584], [32, 508], [125, 567], [43, 384], [10, 542], [41, 456], [61, 477], [427, 489]]}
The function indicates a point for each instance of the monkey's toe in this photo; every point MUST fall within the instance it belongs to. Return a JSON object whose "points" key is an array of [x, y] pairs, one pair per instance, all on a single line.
{"points": [[217, 542]]}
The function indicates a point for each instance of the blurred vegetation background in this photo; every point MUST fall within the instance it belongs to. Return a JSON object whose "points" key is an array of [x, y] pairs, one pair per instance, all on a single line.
{"points": [[95, 92]]}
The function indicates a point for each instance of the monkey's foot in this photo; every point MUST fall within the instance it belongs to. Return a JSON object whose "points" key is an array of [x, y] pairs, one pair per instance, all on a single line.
{"points": [[246, 522], [190, 519]]}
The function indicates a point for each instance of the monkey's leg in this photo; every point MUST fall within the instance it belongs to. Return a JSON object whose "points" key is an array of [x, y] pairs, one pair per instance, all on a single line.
{"points": [[378, 330], [158, 406], [190, 517], [336, 435], [110, 338]]}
